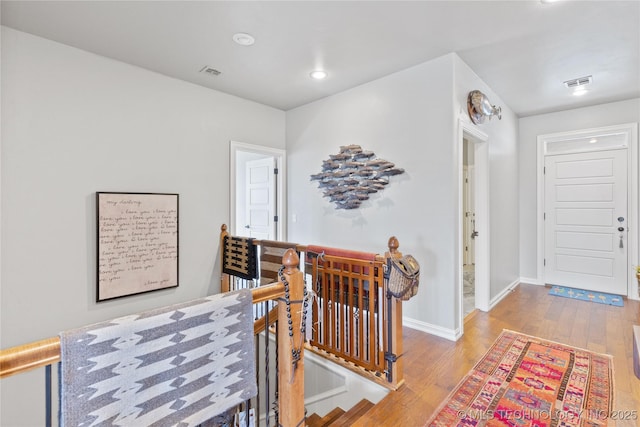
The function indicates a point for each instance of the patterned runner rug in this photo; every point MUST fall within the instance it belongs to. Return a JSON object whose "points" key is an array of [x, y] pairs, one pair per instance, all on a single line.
{"points": [[528, 381]]}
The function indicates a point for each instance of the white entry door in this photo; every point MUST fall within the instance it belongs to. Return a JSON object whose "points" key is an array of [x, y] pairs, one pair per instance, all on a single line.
{"points": [[260, 199], [585, 206]]}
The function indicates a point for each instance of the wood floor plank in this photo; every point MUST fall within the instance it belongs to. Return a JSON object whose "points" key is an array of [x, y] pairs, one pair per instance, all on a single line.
{"points": [[353, 414], [433, 365], [314, 420], [331, 416]]}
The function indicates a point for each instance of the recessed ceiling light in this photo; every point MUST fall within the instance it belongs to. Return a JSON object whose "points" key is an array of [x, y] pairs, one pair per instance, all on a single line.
{"points": [[593, 141], [319, 74], [579, 91], [244, 39], [578, 85]]}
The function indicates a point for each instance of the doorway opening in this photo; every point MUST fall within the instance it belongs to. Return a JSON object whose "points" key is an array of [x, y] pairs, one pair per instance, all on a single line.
{"points": [[257, 189], [473, 202], [588, 209]]}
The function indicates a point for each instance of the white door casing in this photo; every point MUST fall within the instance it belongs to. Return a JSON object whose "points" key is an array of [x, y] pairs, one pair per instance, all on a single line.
{"points": [[585, 206], [260, 199], [480, 146]]}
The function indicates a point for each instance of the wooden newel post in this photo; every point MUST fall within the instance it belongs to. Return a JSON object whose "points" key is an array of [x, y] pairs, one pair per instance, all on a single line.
{"points": [[291, 345], [395, 317], [224, 278]]}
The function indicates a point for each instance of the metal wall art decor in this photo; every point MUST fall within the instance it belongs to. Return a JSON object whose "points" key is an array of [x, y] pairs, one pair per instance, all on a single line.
{"points": [[349, 177], [479, 107]]}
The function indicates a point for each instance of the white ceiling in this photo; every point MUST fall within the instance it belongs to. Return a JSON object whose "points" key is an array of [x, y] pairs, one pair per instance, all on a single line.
{"points": [[523, 50]]}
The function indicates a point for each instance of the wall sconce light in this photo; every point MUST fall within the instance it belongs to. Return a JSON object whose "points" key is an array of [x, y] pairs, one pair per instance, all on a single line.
{"points": [[479, 107]]}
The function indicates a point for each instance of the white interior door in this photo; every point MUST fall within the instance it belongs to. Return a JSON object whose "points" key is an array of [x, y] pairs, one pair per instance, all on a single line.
{"points": [[469, 224], [585, 206], [260, 199]]}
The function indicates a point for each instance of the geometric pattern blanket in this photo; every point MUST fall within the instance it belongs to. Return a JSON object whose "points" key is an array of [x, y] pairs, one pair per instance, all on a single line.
{"points": [[179, 365], [527, 381]]}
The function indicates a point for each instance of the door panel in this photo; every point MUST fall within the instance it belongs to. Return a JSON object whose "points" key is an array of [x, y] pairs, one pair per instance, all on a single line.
{"points": [[586, 217], [584, 169], [585, 194], [584, 241], [260, 200], [585, 265]]}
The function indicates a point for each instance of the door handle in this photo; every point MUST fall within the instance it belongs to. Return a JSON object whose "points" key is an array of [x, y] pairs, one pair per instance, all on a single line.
{"points": [[621, 230], [247, 226]]}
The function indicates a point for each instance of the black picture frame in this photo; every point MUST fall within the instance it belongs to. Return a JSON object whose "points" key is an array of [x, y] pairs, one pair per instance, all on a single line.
{"points": [[137, 243]]}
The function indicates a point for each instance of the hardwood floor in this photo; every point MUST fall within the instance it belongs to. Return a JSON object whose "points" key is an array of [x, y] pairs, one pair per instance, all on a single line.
{"points": [[433, 366]]}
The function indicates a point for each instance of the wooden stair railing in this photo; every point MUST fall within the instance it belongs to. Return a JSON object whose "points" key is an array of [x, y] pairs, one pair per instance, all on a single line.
{"points": [[350, 320], [23, 358], [389, 326], [394, 351]]}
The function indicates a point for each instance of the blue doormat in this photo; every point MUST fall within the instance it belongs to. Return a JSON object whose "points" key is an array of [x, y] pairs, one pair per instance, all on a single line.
{"points": [[581, 294]]}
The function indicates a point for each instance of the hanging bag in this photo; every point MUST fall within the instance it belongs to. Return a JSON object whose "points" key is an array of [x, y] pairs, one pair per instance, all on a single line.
{"points": [[404, 277]]}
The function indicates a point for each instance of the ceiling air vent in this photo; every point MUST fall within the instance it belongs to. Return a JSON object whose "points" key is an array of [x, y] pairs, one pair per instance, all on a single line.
{"points": [[211, 71], [581, 81]]}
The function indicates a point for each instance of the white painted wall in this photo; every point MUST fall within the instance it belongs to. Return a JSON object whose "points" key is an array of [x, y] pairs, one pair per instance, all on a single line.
{"points": [[74, 123], [410, 118], [503, 179], [530, 127], [405, 118]]}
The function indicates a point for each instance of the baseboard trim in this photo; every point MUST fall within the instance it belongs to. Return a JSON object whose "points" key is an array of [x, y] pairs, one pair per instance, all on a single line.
{"points": [[455, 334], [530, 281], [495, 300], [439, 331]]}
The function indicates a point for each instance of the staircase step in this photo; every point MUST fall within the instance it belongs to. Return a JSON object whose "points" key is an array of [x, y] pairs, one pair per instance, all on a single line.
{"points": [[331, 417], [349, 417], [314, 420]]}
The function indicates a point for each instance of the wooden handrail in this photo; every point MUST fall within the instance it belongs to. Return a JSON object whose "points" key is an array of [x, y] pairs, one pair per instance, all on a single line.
{"points": [[267, 292], [225, 283], [393, 242], [23, 358], [261, 324]]}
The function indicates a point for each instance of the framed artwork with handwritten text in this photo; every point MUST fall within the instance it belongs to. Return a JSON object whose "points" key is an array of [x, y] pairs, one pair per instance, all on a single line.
{"points": [[137, 237]]}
